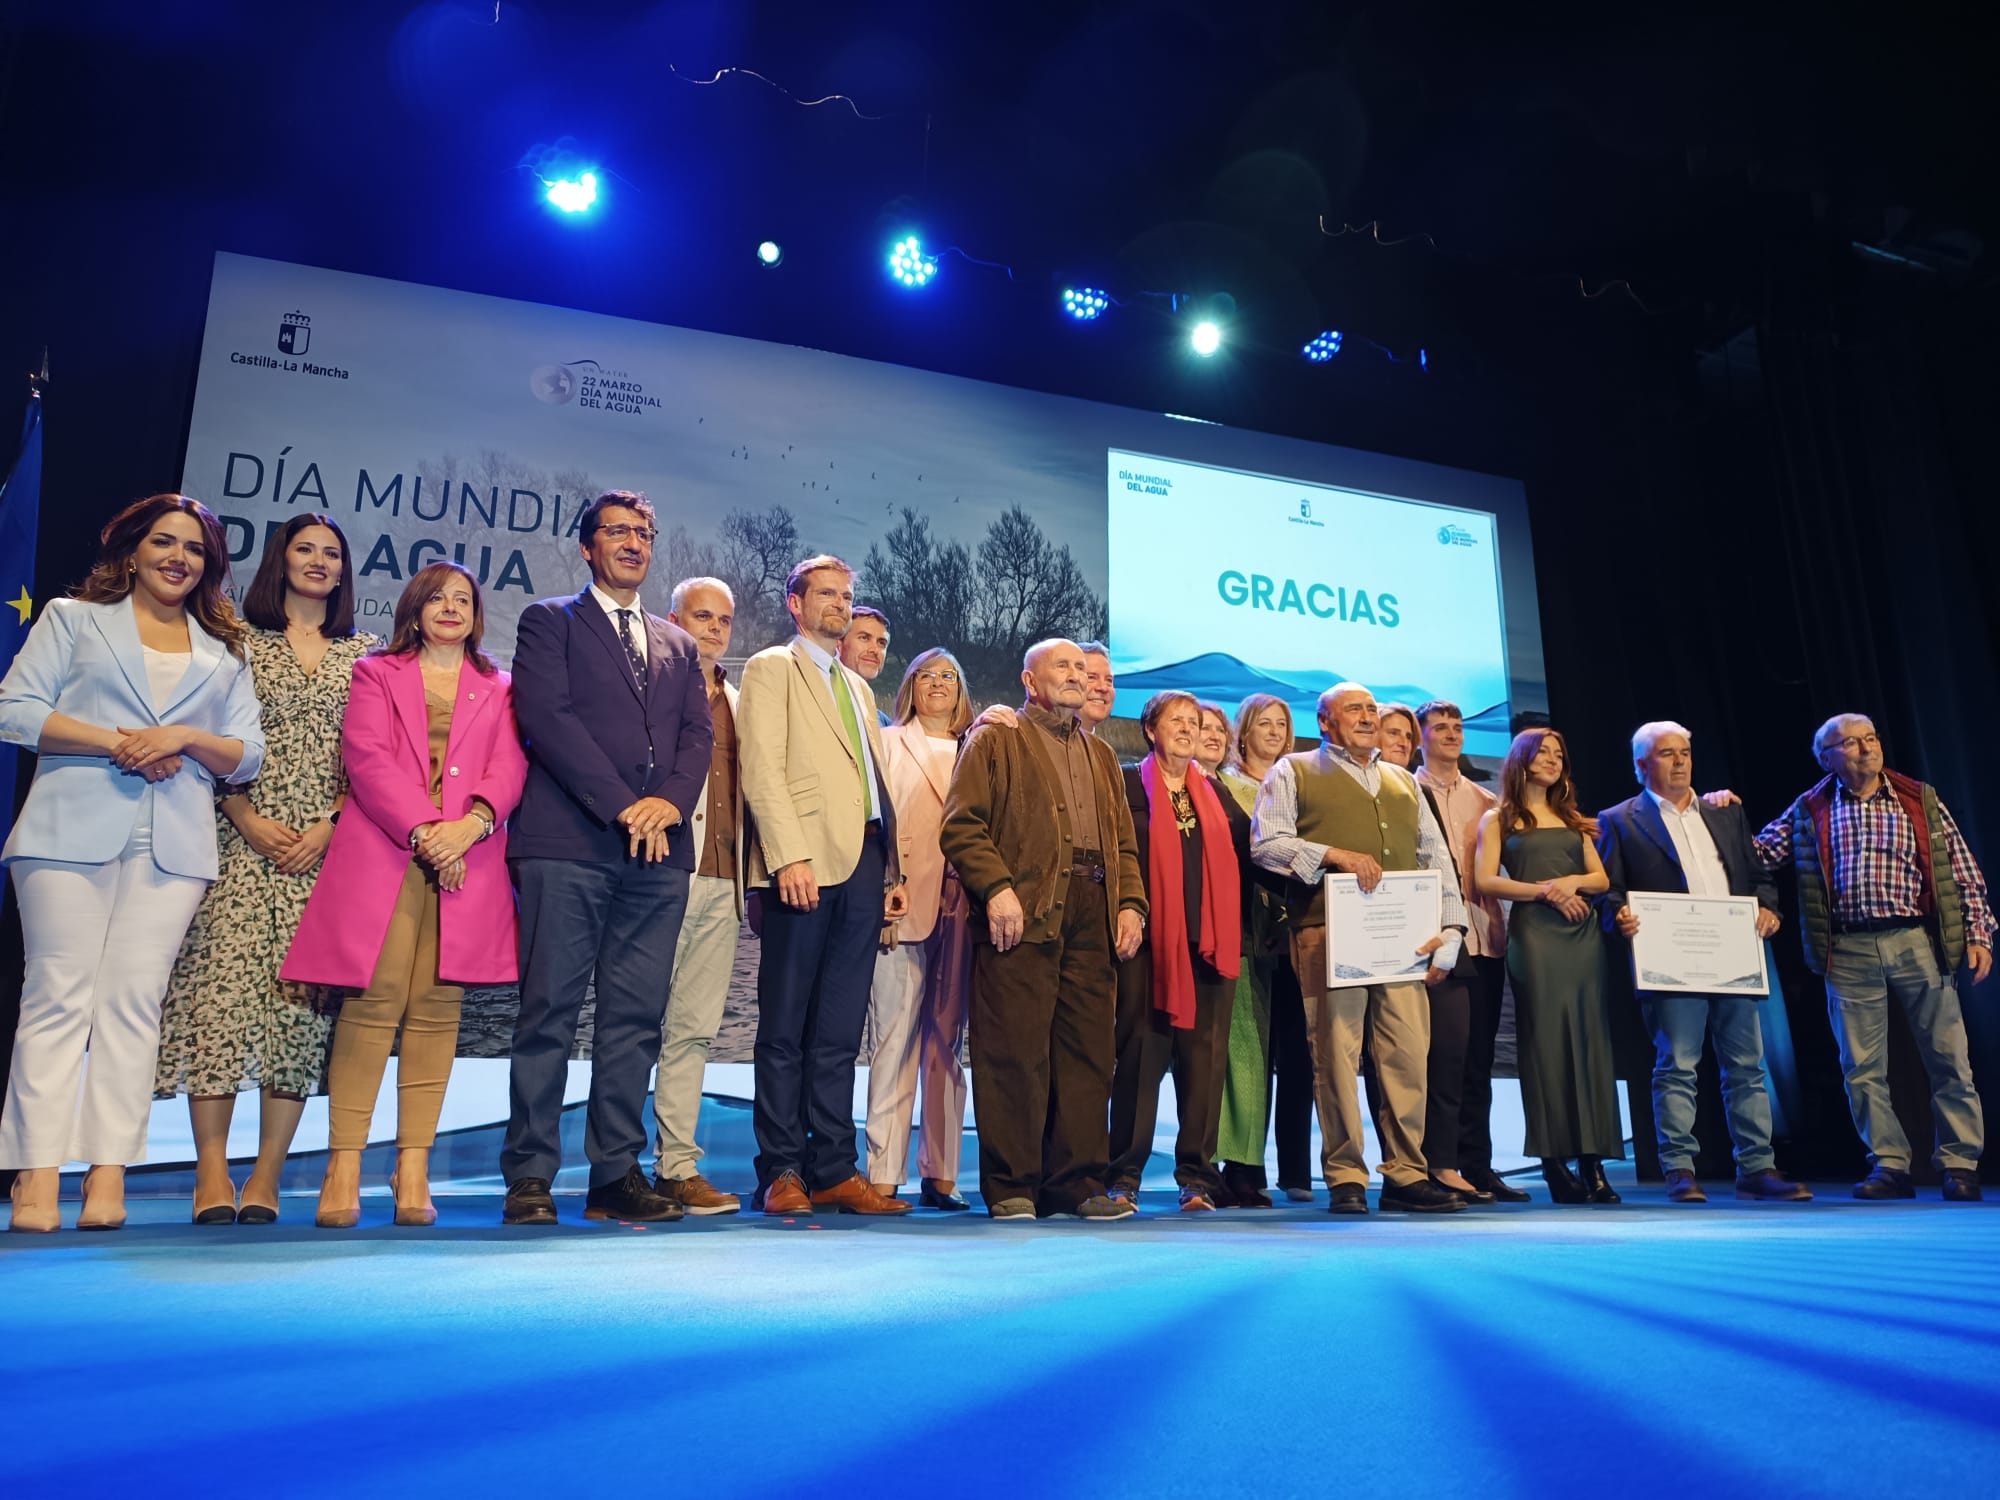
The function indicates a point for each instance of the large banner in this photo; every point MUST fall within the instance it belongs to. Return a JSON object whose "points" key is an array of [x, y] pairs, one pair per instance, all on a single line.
{"points": [[434, 423]]}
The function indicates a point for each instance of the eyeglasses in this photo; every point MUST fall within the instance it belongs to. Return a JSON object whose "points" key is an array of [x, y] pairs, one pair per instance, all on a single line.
{"points": [[948, 678], [619, 530], [1859, 742]]}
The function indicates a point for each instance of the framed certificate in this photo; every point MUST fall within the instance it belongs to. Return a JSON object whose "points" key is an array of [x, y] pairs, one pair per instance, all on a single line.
{"points": [[1704, 945], [1372, 937]]}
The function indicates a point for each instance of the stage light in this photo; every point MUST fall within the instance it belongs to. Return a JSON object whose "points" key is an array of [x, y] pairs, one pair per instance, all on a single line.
{"points": [[573, 196], [1085, 304], [1206, 338], [770, 253], [1424, 360], [909, 264], [1323, 348]]}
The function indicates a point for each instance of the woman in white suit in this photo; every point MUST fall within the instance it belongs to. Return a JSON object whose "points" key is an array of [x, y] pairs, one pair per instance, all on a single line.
{"points": [[137, 698], [916, 1009]]}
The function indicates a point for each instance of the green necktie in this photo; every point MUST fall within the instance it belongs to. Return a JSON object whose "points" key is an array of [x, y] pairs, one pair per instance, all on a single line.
{"points": [[845, 698]]}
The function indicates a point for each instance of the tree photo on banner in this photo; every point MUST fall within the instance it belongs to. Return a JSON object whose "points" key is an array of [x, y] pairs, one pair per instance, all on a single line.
{"points": [[442, 424]]}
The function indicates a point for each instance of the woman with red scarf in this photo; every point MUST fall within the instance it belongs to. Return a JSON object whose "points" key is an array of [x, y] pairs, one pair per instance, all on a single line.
{"points": [[1176, 993]]}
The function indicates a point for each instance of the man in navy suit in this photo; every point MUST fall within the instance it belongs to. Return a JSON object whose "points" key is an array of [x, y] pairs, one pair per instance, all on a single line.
{"points": [[1668, 839], [614, 710]]}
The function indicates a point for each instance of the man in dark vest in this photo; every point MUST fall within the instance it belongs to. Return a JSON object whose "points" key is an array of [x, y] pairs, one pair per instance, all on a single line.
{"points": [[1890, 902], [1668, 839], [1341, 808]]}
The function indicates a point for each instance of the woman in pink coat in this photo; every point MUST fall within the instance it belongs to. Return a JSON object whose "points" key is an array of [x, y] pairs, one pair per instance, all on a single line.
{"points": [[413, 901]]}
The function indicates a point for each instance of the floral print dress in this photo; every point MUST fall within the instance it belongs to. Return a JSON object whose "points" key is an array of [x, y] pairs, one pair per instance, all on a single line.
{"points": [[230, 1022]]}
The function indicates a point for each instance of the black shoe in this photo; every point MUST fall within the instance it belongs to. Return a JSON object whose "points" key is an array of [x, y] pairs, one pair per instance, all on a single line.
{"points": [[1347, 1198], [1885, 1182], [633, 1199], [222, 1213], [1961, 1185], [1478, 1197], [1563, 1186], [1489, 1181], [1590, 1172], [1421, 1197], [256, 1213], [932, 1196], [528, 1202]]}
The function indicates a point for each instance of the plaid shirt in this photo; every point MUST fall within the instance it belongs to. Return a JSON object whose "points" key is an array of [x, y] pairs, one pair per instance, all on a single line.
{"points": [[1875, 871]]}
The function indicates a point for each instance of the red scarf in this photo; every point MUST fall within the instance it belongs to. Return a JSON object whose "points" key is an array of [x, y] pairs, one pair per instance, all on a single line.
{"points": [[1221, 942]]}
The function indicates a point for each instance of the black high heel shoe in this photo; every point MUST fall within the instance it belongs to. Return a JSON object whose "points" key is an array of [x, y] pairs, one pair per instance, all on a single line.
{"points": [[1590, 1171], [1563, 1186]]}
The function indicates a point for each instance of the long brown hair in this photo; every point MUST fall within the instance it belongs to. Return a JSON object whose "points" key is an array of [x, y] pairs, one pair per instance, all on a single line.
{"points": [[264, 600], [906, 690], [1561, 797], [111, 578], [405, 635]]}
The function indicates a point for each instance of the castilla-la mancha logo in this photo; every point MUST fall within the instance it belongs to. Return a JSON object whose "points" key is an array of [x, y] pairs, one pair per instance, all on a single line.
{"points": [[1305, 508], [294, 334]]}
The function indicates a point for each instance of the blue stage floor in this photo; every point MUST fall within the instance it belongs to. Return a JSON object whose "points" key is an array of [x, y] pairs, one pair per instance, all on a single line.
{"points": [[1836, 1348]]}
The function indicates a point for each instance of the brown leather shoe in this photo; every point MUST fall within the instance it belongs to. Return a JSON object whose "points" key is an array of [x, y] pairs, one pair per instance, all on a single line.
{"points": [[697, 1195], [1682, 1188], [787, 1195], [857, 1195], [1769, 1185]]}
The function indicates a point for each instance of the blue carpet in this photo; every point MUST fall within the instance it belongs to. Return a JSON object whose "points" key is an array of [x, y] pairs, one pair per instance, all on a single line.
{"points": [[1835, 1348]]}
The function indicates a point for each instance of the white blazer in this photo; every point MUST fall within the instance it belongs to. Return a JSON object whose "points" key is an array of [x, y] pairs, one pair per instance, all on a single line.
{"points": [[85, 660]]}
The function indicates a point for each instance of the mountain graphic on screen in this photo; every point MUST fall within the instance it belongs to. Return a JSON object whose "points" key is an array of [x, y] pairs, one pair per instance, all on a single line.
{"points": [[1218, 676]]}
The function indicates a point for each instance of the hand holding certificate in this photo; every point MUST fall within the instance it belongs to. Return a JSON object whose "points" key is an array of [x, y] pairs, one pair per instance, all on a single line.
{"points": [[1706, 945], [1383, 936]]}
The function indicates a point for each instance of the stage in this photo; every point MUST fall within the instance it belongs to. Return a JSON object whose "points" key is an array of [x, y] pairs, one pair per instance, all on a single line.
{"points": [[1829, 1348]]}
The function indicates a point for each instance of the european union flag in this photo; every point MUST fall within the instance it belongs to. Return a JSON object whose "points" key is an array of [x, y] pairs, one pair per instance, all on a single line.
{"points": [[20, 513]]}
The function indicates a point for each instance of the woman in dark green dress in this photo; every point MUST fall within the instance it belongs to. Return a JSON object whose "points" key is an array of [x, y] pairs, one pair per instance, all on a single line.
{"points": [[1554, 959]]}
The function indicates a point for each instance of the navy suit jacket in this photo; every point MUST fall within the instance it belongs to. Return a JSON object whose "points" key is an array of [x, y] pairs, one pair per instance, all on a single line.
{"points": [[596, 743], [1639, 855]]}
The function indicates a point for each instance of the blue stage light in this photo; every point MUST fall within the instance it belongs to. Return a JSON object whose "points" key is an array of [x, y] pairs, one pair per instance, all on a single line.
{"points": [[770, 253], [1206, 338], [1424, 359], [573, 196], [909, 264], [1324, 347], [1084, 303]]}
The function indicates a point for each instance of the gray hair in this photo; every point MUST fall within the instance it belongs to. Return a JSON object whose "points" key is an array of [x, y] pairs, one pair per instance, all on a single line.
{"points": [[1332, 695], [1833, 729], [1646, 736], [682, 589], [1034, 652]]}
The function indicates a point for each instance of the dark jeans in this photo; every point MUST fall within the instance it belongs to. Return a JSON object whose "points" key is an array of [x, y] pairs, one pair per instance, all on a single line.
{"points": [[622, 921], [1451, 1023], [1042, 1045], [1475, 1111], [1291, 1059], [1147, 1047], [812, 1001]]}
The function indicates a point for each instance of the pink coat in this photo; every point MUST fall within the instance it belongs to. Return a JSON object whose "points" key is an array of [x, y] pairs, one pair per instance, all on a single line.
{"points": [[386, 742], [918, 787]]}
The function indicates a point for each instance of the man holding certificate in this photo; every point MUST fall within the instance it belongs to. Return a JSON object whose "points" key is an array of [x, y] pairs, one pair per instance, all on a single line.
{"points": [[1689, 893], [1339, 810]]}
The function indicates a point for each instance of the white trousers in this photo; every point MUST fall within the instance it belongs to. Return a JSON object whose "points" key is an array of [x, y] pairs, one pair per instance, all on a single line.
{"points": [[916, 1013], [101, 942], [699, 991]]}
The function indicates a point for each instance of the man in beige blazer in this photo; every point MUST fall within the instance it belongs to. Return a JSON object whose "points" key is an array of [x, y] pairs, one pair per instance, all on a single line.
{"points": [[706, 609], [825, 846]]}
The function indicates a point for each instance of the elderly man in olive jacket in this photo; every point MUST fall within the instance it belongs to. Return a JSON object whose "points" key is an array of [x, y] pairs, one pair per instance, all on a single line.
{"points": [[1038, 829]]}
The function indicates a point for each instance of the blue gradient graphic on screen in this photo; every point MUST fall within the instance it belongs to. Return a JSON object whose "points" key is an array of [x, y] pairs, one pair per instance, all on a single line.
{"points": [[1292, 587]]}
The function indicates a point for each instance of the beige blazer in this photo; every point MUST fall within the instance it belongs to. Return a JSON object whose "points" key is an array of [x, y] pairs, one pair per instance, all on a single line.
{"points": [[798, 772], [698, 822], [918, 785]]}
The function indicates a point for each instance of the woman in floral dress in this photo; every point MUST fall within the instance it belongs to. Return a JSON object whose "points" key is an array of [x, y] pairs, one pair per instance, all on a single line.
{"points": [[230, 1023]]}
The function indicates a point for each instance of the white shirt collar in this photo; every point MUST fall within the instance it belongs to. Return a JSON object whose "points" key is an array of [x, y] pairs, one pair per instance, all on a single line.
{"points": [[1667, 807], [611, 606]]}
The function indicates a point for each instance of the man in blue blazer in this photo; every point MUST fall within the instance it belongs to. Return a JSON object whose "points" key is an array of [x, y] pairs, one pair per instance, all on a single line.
{"points": [[1668, 839], [615, 714]]}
